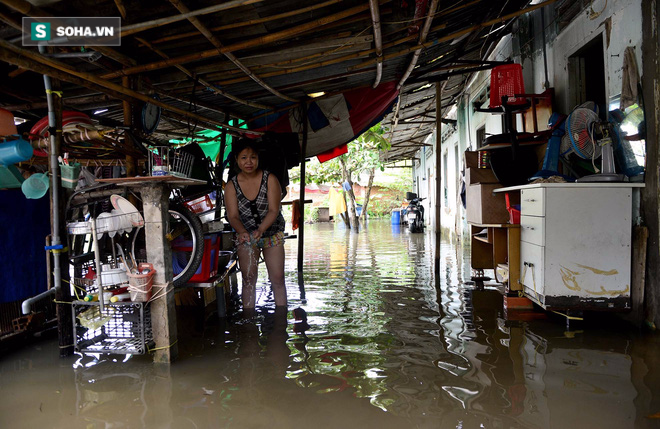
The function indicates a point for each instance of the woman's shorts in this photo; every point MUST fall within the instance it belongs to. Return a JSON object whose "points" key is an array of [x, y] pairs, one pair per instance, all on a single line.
{"points": [[276, 239]]}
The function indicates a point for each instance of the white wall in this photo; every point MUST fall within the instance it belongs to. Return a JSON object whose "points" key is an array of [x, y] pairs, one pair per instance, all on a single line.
{"points": [[620, 19]]}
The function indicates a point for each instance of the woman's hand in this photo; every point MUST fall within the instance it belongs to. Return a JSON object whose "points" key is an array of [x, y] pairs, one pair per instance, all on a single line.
{"points": [[244, 237], [256, 235]]}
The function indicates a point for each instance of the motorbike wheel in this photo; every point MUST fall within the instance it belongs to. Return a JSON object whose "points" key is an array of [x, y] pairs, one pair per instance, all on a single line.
{"points": [[183, 226]]}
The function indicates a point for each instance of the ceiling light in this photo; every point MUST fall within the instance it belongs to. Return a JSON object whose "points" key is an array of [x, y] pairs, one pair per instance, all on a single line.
{"points": [[316, 94], [19, 121], [98, 112]]}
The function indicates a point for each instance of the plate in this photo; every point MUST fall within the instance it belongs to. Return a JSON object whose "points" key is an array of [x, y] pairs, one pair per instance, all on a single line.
{"points": [[124, 206]]}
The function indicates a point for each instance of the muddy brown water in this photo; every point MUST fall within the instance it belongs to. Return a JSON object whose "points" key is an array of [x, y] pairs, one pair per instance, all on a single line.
{"points": [[385, 345]]}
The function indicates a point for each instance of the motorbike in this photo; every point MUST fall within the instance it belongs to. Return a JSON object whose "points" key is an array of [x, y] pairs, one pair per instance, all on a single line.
{"points": [[415, 213]]}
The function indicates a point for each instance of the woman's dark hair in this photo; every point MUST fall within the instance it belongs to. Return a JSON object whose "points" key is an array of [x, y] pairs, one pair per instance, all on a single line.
{"points": [[240, 145]]}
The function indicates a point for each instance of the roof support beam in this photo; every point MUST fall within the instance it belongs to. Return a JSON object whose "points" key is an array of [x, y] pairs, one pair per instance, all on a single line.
{"points": [[191, 75], [231, 57], [35, 62], [136, 28], [259, 41], [422, 39], [378, 42]]}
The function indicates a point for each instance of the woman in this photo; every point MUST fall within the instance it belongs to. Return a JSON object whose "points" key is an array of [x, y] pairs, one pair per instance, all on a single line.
{"points": [[252, 199]]}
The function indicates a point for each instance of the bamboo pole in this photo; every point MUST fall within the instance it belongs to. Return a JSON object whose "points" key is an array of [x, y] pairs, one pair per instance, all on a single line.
{"points": [[192, 76], [352, 56], [438, 176], [456, 34], [231, 57], [21, 54], [378, 43], [422, 39], [259, 41], [136, 28], [301, 224], [131, 164], [247, 23]]}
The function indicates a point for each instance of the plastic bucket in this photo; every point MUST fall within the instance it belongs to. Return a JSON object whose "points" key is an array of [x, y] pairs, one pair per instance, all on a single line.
{"points": [[70, 175], [15, 151], [396, 217], [35, 186]]}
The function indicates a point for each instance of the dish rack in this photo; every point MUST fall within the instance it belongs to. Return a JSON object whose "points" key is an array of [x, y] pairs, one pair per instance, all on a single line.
{"points": [[121, 328]]}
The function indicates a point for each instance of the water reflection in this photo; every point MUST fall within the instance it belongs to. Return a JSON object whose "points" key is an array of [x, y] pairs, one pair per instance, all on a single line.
{"points": [[378, 341]]}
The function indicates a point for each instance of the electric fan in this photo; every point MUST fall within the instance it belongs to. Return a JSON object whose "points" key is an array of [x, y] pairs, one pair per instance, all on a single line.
{"points": [[589, 138]]}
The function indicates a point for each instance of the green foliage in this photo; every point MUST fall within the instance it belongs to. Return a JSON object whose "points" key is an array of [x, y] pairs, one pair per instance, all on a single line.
{"points": [[363, 155]]}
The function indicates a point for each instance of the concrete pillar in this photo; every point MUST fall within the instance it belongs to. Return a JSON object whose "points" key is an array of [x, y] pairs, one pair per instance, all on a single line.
{"points": [[163, 311]]}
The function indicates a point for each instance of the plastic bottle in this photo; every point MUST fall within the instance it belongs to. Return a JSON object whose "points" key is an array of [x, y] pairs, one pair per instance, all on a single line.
{"points": [[121, 297]]}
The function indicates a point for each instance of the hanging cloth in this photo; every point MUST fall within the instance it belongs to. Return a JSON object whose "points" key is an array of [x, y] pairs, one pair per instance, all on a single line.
{"points": [[337, 205], [630, 79], [295, 214]]}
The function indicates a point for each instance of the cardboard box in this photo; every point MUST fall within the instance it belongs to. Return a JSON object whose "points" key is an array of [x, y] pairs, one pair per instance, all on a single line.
{"points": [[479, 175], [470, 159], [484, 207]]}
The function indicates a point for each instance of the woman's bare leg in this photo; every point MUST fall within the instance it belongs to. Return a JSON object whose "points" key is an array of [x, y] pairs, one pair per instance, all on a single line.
{"points": [[248, 260], [274, 257]]}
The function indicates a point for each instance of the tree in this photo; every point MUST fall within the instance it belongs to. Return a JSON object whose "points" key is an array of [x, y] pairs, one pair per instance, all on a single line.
{"points": [[363, 157]]}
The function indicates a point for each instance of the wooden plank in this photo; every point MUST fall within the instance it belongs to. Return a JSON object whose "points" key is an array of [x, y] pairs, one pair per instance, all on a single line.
{"points": [[638, 274], [513, 250]]}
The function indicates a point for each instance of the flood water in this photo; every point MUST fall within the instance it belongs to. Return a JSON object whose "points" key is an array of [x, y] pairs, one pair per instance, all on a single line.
{"points": [[385, 345]]}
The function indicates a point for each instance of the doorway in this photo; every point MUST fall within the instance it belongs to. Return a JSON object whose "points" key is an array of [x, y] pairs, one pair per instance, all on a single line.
{"points": [[587, 76]]}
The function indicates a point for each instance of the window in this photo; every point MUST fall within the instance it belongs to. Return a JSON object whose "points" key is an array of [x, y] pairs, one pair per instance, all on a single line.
{"points": [[481, 136]]}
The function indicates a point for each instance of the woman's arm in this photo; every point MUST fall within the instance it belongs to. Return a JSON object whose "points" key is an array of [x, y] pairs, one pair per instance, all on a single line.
{"points": [[274, 205], [231, 205]]}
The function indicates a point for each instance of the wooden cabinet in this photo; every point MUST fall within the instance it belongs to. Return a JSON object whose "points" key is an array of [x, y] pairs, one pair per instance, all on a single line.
{"points": [[497, 245], [575, 249]]}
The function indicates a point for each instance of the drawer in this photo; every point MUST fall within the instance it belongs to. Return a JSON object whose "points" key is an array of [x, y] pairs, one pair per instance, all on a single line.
{"points": [[532, 266], [532, 230], [532, 202]]}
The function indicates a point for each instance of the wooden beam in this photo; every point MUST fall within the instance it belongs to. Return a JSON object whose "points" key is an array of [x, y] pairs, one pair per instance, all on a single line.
{"points": [[259, 41], [378, 43], [422, 39], [15, 55], [455, 35], [231, 57], [438, 176], [247, 23], [136, 28], [192, 76]]}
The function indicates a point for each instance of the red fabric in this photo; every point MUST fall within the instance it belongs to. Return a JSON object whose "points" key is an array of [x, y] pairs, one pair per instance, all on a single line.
{"points": [[332, 153], [366, 106], [295, 214]]}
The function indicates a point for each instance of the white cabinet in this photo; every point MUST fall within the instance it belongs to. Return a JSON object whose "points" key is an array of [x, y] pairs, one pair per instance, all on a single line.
{"points": [[575, 249]]}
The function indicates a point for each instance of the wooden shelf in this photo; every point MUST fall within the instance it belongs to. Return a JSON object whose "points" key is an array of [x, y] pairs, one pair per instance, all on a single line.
{"points": [[479, 238]]}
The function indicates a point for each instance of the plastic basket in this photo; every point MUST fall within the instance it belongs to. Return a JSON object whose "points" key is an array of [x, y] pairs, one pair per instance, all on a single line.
{"points": [[514, 211], [200, 205], [140, 285], [506, 81], [70, 175], [164, 160]]}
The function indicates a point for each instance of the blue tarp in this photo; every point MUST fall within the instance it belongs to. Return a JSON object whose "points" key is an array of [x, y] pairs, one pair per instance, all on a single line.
{"points": [[24, 224]]}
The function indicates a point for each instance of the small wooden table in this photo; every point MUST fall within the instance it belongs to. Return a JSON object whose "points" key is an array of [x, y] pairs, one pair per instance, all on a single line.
{"points": [[497, 245]]}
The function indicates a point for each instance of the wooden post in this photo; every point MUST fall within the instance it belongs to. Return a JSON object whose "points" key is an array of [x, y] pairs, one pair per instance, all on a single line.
{"points": [[163, 312], [131, 165], [649, 204], [438, 174], [303, 154]]}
